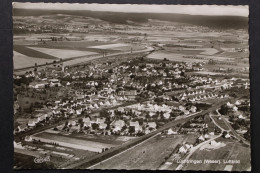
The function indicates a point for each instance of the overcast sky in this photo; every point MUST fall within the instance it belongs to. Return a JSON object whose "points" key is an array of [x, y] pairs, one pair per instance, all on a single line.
{"points": [[182, 9]]}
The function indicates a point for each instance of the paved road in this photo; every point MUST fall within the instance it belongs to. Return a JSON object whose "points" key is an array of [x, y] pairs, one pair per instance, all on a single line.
{"points": [[88, 163]]}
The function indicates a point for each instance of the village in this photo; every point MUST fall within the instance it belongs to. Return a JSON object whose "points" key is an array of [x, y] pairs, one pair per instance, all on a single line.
{"points": [[134, 98], [136, 93]]}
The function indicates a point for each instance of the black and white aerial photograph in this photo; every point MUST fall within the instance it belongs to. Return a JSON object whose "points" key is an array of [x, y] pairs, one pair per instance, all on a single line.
{"points": [[131, 87]]}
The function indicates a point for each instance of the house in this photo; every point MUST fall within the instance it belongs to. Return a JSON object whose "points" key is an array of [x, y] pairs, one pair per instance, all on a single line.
{"points": [[186, 112], [86, 119], [172, 132], [87, 124], [38, 85], [183, 149], [28, 139], [72, 122], [213, 142], [119, 124], [206, 136], [151, 125], [22, 127], [120, 109], [181, 108], [166, 115], [229, 105], [136, 125], [102, 125], [75, 128], [235, 108], [32, 122], [241, 117], [129, 94], [227, 136], [100, 120], [201, 138], [193, 109]]}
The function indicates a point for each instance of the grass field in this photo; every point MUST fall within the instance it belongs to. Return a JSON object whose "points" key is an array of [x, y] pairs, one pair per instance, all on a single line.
{"points": [[220, 122], [22, 61], [71, 142], [232, 151], [63, 53], [148, 155]]}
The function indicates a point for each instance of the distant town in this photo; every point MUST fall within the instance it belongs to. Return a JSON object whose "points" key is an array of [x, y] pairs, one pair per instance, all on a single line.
{"points": [[92, 94]]}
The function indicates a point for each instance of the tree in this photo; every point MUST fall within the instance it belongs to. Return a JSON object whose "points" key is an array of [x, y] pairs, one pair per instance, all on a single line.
{"points": [[131, 129], [95, 126], [66, 123], [110, 70], [223, 110], [104, 113], [224, 134], [80, 120], [247, 135], [235, 126]]}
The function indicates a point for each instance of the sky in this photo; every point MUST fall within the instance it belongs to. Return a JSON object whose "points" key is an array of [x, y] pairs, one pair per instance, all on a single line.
{"points": [[181, 9]]}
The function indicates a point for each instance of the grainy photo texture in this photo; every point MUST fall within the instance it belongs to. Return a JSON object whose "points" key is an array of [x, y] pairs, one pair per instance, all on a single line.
{"points": [[127, 86]]}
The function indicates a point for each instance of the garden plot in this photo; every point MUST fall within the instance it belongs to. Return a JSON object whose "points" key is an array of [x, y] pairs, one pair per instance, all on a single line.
{"points": [[63, 53], [71, 142]]}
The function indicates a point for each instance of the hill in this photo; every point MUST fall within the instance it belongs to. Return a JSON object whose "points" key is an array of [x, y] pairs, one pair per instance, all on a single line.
{"points": [[217, 22]]}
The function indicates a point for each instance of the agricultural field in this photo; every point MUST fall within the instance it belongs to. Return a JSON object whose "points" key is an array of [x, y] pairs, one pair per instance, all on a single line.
{"points": [[32, 53], [209, 51], [149, 155], [232, 150], [72, 142], [113, 140], [62, 53], [22, 61], [109, 46], [172, 57]]}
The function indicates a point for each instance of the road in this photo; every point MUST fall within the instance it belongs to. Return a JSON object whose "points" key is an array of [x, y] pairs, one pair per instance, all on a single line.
{"points": [[232, 130], [88, 163]]}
